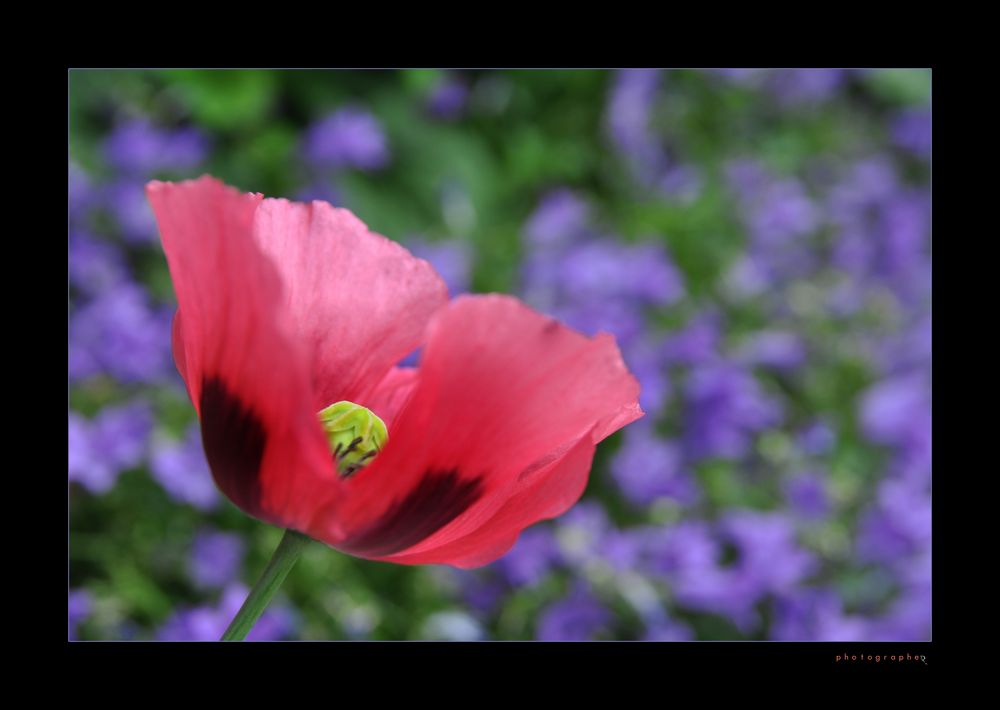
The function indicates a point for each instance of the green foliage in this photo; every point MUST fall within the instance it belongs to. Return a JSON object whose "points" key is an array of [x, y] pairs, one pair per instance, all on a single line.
{"points": [[903, 86]]}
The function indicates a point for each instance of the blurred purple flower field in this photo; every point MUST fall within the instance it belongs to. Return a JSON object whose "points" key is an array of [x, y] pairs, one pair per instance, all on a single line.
{"points": [[758, 241]]}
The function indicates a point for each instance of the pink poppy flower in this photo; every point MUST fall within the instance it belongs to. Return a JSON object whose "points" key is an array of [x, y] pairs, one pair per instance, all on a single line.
{"points": [[287, 308]]}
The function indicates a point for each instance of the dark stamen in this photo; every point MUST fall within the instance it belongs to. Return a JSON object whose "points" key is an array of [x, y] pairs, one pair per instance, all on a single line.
{"points": [[353, 445]]}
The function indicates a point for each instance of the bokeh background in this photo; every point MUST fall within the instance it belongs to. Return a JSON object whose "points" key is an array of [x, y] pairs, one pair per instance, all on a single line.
{"points": [[757, 240]]}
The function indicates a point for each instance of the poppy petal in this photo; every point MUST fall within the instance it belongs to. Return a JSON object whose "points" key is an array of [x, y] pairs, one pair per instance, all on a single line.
{"points": [[547, 494], [392, 393], [246, 375], [177, 345], [358, 301], [504, 394]]}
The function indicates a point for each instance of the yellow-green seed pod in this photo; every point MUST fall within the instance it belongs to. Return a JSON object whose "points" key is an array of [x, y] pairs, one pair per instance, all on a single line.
{"points": [[355, 434]]}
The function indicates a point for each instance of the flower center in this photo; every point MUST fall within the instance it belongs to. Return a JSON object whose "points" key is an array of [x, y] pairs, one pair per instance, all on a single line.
{"points": [[355, 434]]}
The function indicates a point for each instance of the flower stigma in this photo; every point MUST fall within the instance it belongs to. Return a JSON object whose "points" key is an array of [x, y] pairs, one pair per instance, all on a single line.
{"points": [[355, 434]]}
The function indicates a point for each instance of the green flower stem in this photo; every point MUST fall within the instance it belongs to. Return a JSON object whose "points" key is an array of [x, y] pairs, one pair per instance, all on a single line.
{"points": [[282, 561]]}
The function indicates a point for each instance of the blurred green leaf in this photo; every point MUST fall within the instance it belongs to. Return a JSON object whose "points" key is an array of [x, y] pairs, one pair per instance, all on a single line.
{"points": [[901, 86], [226, 99]]}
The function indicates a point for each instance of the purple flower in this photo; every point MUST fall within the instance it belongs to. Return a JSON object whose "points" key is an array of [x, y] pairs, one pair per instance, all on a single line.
{"points": [[579, 617], [802, 86], [908, 616], [605, 268], [560, 219], [623, 550], [208, 623], [904, 229], [657, 281], [138, 147], [186, 148], [530, 560], [815, 615], [725, 409], [807, 496], [911, 131], [896, 410], [898, 525], [611, 315], [647, 468], [451, 259], [183, 472], [780, 218], [540, 276], [645, 360], [348, 138], [697, 342], [215, 559], [101, 448], [121, 334], [122, 433], [481, 592], [865, 186], [667, 630], [817, 438], [448, 98], [885, 238], [599, 284], [682, 183], [912, 460], [681, 549], [320, 190], [908, 619], [780, 350], [779, 213], [629, 120], [769, 555], [126, 200], [879, 539], [717, 590], [914, 572], [82, 194], [628, 117], [94, 264], [767, 561], [277, 623], [81, 605], [746, 178], [193, 624]]}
